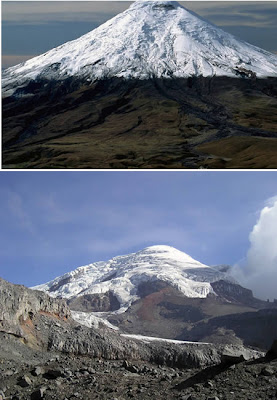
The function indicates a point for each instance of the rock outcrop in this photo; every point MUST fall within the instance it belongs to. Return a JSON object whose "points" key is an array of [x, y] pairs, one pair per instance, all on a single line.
{"points": [[19, 305], [100, 302]]}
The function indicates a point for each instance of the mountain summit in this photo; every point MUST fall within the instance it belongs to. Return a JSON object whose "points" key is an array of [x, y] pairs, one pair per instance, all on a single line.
{"points": [[149, 39], [161, 291], [123, 275]]}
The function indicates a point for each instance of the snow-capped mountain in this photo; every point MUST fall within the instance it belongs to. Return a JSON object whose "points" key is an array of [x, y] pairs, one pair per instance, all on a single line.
{"points": [[149, 39], [123, 274]]}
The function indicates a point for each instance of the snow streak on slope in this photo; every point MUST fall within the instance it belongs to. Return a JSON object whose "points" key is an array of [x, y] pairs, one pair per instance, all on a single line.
{"points": [[122, 275], [92, 320], [151, 38], [149, 339]]}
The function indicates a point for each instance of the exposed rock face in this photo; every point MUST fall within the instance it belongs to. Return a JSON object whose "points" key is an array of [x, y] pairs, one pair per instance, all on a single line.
{"points": [[257, 329], [228, 316], [100, 302], [46, 323], [19, 305], [233, 292], [149, 287], [237, 294]]}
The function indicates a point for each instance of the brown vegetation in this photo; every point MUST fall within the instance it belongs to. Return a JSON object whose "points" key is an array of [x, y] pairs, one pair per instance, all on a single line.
{"points": [[143, 124]]}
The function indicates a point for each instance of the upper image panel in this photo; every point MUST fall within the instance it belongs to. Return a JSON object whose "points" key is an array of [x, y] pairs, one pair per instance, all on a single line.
{"points": [[144, 84]]}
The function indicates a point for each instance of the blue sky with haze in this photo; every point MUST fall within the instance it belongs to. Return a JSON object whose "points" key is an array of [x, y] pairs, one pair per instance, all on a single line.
{"points": [[53, 222], [31, 28]]}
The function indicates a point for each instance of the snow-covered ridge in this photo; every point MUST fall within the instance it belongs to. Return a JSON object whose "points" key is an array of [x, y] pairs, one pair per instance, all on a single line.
{"points": [[122, 275], [149, 39]]}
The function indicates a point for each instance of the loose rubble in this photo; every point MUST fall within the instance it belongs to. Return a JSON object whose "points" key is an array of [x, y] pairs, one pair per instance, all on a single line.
{"points": [[85, 378]]}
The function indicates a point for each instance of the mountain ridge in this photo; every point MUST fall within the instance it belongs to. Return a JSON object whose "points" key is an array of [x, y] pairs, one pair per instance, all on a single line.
{"points": [[162, 292], [122, 275]]}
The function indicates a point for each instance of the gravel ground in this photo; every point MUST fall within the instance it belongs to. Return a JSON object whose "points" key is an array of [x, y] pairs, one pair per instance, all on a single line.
{"points": [[66, 377]]}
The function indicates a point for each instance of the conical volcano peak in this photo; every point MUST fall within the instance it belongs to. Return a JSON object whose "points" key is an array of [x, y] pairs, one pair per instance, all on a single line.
{"points": [[159, 248], [159, 9], [150, 39], [156, 5]]}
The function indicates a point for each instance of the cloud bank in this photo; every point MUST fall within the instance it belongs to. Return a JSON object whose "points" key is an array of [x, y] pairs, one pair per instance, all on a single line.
{"points": [[259, 272]]}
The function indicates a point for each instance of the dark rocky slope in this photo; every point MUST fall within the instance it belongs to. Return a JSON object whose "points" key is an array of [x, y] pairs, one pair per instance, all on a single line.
{"points": [[159, 123], [256, 329], [96, 302], [231, 316]]}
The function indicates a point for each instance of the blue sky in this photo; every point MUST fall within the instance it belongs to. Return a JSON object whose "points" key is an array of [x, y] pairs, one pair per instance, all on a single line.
{"points": [[53, 222], [31, 28]]}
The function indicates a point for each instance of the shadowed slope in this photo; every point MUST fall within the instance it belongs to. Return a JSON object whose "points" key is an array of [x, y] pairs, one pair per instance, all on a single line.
{"points": [[141, 124]]}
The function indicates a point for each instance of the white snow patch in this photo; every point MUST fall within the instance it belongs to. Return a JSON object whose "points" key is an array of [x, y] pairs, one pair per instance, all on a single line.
{"points": [[91, 320], [148, 339]]}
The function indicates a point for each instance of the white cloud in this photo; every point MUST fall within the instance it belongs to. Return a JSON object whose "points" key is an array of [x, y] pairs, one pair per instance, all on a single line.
{"points": [[260, 270]]}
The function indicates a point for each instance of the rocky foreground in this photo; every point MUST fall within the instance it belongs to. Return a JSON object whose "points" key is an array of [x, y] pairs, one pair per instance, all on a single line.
{"points": [[45, 354], [64, 377]]}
